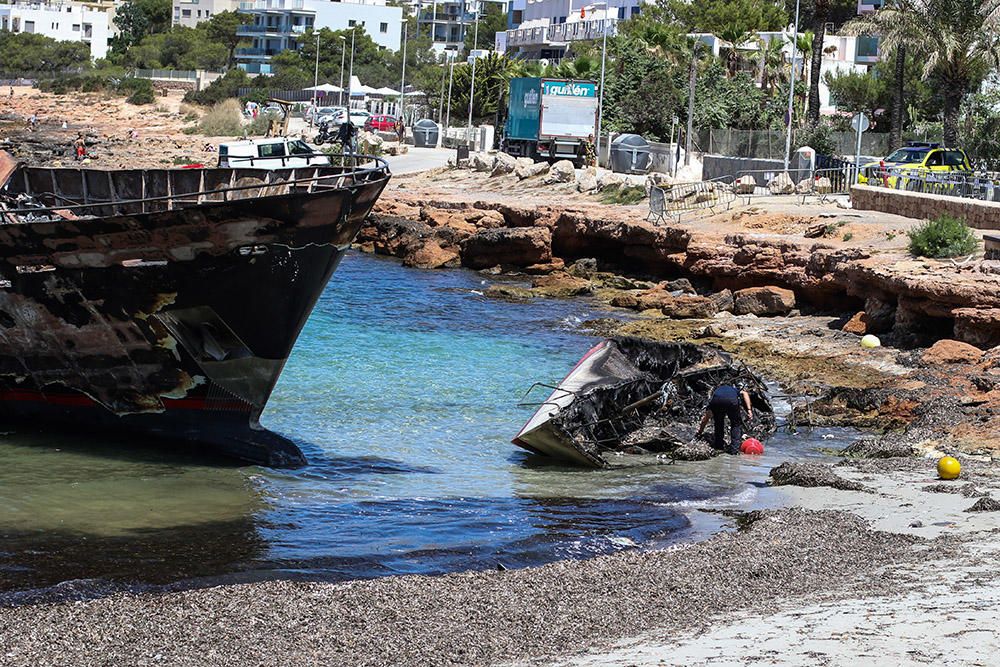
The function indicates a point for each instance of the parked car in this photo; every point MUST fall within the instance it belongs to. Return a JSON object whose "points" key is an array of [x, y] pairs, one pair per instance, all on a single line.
{"points": [[383, 123], [274, 110], [918, 158], [333, 115], [359, 117], [276, 153]]}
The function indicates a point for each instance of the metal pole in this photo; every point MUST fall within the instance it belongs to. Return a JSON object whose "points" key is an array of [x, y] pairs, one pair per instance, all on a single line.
{"points": [[472, 89], [441, 100], [451, 77], [315, 80], [402, 78], [343, 52], [600, 99], [791, 88], [692, 79], [350, 76]]}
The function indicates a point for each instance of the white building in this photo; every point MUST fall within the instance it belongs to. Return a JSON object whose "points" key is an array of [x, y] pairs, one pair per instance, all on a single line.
{"points": [[190, 13], [62, 21], [278, 25], [448, 21], [544, 28]]}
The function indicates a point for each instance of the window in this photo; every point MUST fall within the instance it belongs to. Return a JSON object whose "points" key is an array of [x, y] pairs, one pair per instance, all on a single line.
{"points": [[186, 13], [936, 159], [383, 27], [76, 27], [299, 147], [351, 23], [271, 150], [199, 13], [954, 159], [208, 13], [29, 26]]}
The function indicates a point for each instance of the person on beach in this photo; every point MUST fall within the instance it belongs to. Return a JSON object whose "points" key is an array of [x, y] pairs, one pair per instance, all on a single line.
{"points": [[346, 136], [725, 403], [80, 147], [590, 152]]}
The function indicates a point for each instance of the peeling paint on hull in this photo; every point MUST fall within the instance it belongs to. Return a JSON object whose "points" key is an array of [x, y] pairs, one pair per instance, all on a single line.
{"points": [[175, 323]]}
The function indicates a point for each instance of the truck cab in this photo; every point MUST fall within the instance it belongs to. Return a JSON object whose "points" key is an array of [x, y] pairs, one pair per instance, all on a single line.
{"points": [[273, 153], [550, 119]]}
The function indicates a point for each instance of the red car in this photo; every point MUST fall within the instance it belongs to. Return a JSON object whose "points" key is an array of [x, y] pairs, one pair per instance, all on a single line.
{"points": [[384, 123]]}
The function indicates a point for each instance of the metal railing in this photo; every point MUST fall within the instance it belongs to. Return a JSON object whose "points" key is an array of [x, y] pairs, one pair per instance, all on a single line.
{"points": [[983, 186], [679, 198]]}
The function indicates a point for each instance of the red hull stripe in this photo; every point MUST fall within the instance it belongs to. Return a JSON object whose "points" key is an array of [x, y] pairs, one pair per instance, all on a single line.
{"points": [[80, 400]]}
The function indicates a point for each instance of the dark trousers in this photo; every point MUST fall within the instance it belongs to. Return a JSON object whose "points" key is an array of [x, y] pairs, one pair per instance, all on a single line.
{"points": [[722, 408]]}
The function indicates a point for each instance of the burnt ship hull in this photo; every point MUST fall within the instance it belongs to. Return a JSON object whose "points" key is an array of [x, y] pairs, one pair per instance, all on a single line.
{"points": [[169, 316]]}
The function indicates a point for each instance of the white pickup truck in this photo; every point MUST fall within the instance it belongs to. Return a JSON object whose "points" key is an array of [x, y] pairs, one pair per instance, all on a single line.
{"points": [[274, 153]]}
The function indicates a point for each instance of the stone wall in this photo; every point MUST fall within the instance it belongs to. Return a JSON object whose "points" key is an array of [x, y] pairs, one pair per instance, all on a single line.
{"points": [[976, 213]]}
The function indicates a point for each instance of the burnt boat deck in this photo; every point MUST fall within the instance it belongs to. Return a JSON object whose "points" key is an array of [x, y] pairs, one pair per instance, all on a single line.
{"points": [[38, 193]]}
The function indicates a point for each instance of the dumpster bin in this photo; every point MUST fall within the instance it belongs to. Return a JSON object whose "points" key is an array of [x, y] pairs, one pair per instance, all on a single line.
{"points": [[630, 154], [425, 133]]}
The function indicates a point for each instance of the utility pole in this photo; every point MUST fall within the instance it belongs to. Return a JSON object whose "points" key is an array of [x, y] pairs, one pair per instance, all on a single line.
{"points": [[472, 89], [402, 78], [791, 88], [350, 77], [343, 52], [315, 81], [441, 100], [451, 77], [692, 79], [600, 100]]}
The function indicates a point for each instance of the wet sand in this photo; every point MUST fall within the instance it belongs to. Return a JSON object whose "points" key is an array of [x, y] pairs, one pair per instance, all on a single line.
{"points": [[799, 579]]}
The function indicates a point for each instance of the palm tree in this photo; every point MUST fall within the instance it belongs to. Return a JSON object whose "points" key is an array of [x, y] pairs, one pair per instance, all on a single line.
{"points": [[736, 36], [772, 62], [821, 14], [581, 67], [897, 34], [958, 40]]}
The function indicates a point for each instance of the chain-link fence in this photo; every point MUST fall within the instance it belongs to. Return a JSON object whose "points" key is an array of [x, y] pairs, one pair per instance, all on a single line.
{"points": [[770, 144]]}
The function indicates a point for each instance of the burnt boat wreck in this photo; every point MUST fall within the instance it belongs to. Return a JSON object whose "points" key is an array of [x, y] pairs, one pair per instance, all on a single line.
{"points": [[630, 401], [166, 302]]}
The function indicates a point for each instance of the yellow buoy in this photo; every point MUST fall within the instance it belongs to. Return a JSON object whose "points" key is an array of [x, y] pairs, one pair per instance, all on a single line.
{"points": [[870, 341], [949, 467]]}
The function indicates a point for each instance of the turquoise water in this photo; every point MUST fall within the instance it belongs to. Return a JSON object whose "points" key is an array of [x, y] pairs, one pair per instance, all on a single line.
{"points": [[402, 392]]}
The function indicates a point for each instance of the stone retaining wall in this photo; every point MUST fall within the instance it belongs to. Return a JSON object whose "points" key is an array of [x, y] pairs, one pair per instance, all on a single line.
{"points": [[976, 213]]}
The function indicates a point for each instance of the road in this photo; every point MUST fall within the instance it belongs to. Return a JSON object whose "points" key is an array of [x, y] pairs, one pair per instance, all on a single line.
{"points": [[419, 159]]}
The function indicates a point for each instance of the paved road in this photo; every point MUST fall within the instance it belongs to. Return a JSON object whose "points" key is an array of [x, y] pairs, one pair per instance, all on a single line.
{"points": [[419, 159]]}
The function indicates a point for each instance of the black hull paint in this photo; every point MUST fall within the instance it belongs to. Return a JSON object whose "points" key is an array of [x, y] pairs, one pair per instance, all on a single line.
{"points": [[174, 324]]}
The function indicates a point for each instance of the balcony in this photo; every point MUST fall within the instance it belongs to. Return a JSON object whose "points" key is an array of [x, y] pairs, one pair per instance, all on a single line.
{"points": [[526, 36], [257, 53], [577, 31], [429, 17], [262, 5]]}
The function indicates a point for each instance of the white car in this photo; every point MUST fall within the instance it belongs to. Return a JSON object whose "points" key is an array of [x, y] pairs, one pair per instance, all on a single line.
{"points": [[275, 153], [359, 116], [333, 115]]}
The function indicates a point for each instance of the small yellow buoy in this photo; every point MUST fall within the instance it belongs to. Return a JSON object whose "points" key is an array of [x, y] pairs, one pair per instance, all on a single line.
{"points": [[949, 467], [870, 341]]}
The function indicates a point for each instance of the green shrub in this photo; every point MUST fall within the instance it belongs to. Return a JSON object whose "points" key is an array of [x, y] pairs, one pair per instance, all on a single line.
{"points": [[259, 125], [138, 91], [223, 88], [944, 236], [819, 137], [625, 195], [222, 120]]}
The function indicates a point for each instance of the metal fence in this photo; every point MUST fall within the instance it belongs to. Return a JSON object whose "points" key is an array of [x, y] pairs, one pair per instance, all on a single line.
{"points": [[166, 74], [679, 198], [770, 144], [984, 186]]}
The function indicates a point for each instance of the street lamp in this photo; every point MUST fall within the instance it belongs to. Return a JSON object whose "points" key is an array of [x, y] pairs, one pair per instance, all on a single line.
{"points": [[604, 57], [441, 98], [315, 81], [402, 78], [472, 89], [343, 52], [451, 77], [350, 76], [791, 88]]}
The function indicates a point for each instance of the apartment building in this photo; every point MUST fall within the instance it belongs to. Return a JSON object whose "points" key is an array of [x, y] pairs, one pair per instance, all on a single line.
{"points": [[190, 13], [544, 29], [448, 21], [62, 21], [279, 25]]}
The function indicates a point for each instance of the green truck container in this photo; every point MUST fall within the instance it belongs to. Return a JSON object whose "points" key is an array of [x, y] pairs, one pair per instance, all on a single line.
{"points": [[550, 119]]}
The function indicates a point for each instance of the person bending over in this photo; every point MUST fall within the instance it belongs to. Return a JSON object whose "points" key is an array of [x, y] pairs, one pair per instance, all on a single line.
{"points": [[725, 403]]}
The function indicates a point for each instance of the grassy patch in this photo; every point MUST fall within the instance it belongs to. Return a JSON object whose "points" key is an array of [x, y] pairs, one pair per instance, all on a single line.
{"points": [[222, 120], [944, 236], [624, 195]]}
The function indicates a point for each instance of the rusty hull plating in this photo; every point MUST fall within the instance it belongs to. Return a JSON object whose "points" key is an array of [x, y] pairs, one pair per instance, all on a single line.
{"points": [[166, 302]]}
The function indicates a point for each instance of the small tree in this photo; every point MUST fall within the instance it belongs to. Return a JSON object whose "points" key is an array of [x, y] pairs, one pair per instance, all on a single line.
{"points": [[222, 28], [942, 237]]}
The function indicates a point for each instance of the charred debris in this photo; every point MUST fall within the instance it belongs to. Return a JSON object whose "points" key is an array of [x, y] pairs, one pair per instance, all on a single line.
{"points": [[631, 401]]}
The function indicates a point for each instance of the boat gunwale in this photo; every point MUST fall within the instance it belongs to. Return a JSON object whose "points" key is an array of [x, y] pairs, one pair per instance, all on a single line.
{"points": [[381, 169]]}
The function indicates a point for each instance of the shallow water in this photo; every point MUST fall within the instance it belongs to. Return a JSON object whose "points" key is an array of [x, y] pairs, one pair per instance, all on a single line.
{"points": [[402, 392]]}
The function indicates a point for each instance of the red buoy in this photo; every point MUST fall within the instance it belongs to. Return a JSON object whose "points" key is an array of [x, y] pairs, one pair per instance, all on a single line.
{"points": [[752, 447]]}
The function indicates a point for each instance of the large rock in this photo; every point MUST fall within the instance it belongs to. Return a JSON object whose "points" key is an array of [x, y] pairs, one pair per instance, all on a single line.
{"points": [[481, 162], [745, 185], [811, 475], [560, 285], [823, 186], [587, 180], [689, 307], [503, 164], [519, 246], [524, 171], [804, 187], [781, 184], [561, 172], [858, 324], [951, 352], [431, 255], [763, 301], [609, 179], [524, 162]]}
